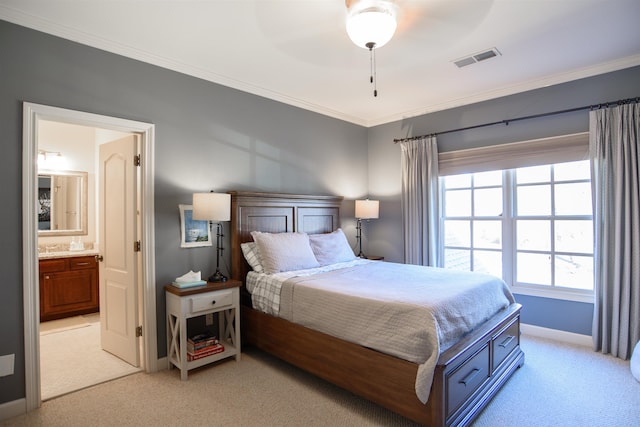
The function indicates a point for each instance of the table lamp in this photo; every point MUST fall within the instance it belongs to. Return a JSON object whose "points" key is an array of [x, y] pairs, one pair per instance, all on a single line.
{"points": [[213, 207], [365, 209]]}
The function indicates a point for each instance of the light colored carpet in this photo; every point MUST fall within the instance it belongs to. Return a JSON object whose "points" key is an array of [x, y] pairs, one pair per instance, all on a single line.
{"points": [[566, 385], [71, 358], [62, 325], [559, 385]]}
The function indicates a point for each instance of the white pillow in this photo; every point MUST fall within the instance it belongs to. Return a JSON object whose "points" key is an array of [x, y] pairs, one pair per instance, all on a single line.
{"points": [[284, 251], [331, 248], [252, 256]]}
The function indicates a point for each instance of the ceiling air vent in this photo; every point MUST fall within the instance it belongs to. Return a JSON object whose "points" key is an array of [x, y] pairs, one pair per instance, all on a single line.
{"points": [[476, 57]]}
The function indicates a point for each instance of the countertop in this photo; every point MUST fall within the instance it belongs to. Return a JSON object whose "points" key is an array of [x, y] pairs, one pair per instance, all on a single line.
{"points": [[67, 254]]}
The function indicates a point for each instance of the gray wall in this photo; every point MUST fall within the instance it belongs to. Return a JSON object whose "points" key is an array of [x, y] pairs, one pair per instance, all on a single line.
{"points": [[212, 137], [207, 137], [385, 176]]}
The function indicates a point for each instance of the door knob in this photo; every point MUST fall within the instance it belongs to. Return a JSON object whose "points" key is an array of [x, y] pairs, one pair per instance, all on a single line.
{"points": [[99, 258]]}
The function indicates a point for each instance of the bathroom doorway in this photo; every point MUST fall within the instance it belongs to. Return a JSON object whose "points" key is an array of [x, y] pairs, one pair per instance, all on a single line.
{"points": [[71, 235], [34, 116]]}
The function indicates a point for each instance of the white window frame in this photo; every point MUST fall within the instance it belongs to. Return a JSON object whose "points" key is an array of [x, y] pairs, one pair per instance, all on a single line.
{"points": [[552, 150]]}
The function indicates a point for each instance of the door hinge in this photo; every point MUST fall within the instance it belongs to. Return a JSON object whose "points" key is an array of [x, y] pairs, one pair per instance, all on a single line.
{"points": [[136, 160], [136, 246], [138, 331]]}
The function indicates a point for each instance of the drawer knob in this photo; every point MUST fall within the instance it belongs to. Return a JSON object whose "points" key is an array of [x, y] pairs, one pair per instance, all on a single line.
{"points": [[213, 302], [506, 341]]}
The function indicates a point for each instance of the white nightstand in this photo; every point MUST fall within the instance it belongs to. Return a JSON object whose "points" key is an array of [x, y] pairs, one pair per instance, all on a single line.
{"points": [[222, 298]]}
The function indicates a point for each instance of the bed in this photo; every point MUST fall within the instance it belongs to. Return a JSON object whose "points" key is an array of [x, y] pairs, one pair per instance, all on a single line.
{"points": [[466, 375]]}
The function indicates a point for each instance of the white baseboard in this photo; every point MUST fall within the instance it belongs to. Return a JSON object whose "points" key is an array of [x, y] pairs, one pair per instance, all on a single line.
{"points": [[13, 409], [557, 335]]}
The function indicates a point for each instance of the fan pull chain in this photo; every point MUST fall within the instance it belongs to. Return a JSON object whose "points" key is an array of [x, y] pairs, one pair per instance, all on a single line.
{"points": [[372, 65]]}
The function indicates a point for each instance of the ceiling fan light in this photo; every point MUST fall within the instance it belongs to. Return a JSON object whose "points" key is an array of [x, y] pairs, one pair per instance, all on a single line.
{"points": [[371, 22]]}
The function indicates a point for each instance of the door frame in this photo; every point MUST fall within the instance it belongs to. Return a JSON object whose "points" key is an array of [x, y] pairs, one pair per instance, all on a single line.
{"points": [[32, 114]]}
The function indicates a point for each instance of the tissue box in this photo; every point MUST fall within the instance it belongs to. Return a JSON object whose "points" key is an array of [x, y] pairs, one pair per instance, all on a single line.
{"points": [[189, 284]]}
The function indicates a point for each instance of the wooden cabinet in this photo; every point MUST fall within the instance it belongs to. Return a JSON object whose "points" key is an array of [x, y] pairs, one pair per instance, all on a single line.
{"points": [[68, 287]]}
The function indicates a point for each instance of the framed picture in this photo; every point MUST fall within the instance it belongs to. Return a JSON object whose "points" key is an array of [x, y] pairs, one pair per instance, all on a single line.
{"points": [[193, 233]]}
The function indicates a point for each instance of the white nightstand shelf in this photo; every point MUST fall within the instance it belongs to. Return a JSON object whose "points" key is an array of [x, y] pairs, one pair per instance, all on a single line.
{"points": [[222, 298]]}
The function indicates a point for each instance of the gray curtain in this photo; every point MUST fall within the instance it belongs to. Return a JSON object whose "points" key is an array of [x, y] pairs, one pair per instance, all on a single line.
{"points": [[420, 201], [614, 149]]}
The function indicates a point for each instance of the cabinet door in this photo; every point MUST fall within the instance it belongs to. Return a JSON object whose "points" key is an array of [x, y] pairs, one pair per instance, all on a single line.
{"points": [[68, 293]]}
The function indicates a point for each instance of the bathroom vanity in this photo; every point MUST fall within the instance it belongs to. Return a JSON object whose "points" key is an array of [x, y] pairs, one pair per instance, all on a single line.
{"points": [[68, 286], [68, 272]]}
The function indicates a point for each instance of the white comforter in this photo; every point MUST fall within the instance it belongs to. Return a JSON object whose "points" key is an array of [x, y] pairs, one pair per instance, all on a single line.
{"points": [[411, 312]]}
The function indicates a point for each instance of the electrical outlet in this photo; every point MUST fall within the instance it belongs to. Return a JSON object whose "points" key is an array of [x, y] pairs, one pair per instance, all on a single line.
{"points": [[209, 319], [6, 364]]}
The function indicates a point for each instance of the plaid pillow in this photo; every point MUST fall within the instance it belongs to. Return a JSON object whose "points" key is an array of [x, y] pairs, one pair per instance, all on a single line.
{"points": [[251, 254]]}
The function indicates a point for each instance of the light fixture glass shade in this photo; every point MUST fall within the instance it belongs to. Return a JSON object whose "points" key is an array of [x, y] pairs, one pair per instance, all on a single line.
{"points": [[367, 209], [211, 206], [371, 21]]}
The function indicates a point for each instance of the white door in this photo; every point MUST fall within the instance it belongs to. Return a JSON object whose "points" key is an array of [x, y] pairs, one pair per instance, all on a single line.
{"points": [[118, 233]]}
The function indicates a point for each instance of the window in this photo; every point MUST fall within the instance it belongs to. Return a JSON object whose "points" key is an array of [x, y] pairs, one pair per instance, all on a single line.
{"points": [[553, 226], [532, 226], [473, 206]]}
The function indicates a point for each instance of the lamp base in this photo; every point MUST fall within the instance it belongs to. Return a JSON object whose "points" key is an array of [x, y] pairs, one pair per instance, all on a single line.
{"points": [[217, 277]]}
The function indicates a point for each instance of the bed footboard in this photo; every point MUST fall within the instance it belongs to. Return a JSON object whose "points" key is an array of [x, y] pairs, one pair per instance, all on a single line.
{"points": [[466, 377]]}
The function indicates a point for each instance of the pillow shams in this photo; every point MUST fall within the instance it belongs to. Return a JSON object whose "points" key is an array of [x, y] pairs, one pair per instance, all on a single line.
{"points": [[331, 248], [252, 256], [284, 251]]}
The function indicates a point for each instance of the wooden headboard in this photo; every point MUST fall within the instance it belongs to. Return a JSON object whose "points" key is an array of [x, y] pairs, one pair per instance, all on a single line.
{"points": [[277, 213]]}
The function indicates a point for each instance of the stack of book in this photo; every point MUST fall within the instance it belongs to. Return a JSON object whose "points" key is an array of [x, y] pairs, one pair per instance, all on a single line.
{"points": [[202, 345]]}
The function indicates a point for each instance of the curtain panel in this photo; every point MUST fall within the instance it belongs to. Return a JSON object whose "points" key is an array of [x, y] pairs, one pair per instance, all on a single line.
{"points": [[614, 140], [420, 201]]}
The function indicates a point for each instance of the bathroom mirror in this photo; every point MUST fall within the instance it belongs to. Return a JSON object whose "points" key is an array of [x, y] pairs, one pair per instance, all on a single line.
{"points": [[62, 203]]}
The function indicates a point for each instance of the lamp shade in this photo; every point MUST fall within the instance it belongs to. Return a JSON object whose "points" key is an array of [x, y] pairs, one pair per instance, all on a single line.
{"points": [[371, 22], [211, 206], [367, 209]]}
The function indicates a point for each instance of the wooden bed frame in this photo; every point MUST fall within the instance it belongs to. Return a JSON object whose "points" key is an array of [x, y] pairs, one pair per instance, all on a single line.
{"points": [[467, 375]]}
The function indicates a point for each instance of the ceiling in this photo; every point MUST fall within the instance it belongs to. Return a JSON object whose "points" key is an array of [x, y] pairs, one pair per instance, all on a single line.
{"points": [[298, 52]]}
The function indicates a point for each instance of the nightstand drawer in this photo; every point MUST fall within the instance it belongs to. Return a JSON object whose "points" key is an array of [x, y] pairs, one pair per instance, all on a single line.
{"points": [[211, 300]]}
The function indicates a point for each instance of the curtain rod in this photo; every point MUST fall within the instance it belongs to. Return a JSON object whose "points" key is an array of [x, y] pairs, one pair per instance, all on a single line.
{"points": [[517, 119]]}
